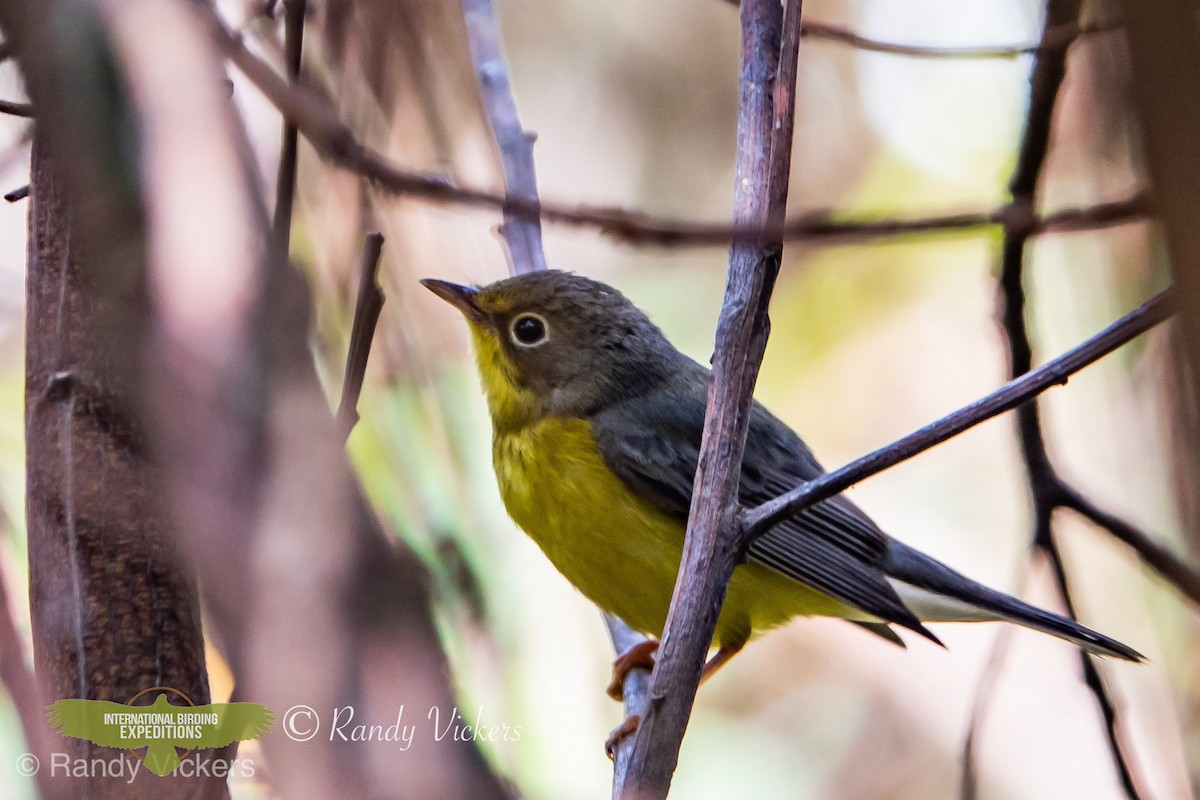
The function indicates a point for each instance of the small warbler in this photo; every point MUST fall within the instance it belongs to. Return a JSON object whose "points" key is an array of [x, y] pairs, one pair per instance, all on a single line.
{"points": [[596, 422]]}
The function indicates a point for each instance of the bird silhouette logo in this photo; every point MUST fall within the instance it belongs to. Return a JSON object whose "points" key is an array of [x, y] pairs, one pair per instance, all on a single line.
{"points": [[161, 728]]}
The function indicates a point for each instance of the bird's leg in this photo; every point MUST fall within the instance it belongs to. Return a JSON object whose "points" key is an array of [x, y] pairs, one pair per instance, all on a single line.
{"points": [[626, 728], [719, 660], [640, 655]]}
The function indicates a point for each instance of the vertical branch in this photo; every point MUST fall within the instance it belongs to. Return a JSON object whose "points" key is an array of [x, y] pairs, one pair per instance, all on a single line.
{"points": [[285, 187], [712, 541], [635, 693], [1047, 489], [522, 232]]}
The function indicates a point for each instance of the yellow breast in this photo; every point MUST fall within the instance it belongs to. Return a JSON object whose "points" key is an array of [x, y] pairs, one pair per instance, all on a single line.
{"points": [[619, 550], [614, 547]]}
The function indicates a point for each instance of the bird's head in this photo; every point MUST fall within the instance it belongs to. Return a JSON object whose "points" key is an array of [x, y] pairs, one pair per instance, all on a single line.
{"points": [[555, 344]]}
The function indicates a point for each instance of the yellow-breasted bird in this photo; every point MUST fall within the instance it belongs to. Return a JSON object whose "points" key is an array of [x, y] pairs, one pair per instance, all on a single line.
{"points": [[596, 422]]}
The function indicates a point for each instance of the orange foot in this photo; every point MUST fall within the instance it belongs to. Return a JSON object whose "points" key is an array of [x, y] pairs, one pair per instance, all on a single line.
{"points": [[624, 729], [640, 655]]}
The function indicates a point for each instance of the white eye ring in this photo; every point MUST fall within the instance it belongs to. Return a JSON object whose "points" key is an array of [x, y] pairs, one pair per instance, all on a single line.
{"points": [[533, 330]]}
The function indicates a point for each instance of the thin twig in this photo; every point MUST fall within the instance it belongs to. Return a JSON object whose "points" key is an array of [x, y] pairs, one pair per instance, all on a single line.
{"points": [[318, 123], [367, 308], [1091, 673], [1014, 393], [636, 693], [16, 109], [285, 185], [769, 37], [20, 193], [1155, 555], [523, 234], [1054, 40]]}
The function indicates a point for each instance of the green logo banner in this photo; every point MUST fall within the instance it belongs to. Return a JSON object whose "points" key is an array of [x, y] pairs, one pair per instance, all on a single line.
{"points": [[160, 727]]}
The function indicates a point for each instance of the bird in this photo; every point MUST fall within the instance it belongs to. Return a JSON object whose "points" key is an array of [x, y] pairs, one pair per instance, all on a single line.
{"points": [[596, 427], [160, 727]]}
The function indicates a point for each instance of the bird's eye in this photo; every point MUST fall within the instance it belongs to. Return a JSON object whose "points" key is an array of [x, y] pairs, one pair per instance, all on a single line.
{"points": [[529, 330]]}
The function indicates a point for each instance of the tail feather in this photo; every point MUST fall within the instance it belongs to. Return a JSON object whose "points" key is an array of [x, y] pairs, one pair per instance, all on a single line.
{"points": [[935, 592]]}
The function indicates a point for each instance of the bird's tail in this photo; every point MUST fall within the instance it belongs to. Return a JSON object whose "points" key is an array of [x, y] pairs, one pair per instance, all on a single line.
{"points": [[936, 593]]}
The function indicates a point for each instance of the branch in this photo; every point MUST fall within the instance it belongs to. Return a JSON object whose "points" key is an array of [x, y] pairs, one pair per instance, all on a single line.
{"points": [[362, 330], [285, 185], [16, 109], [522, 233], [1091, 673], [318, 123], [524, 239], [1055, 39], [20, 193], [636, 694], [710, 547], [1159, 558], [1046, 488], [253, 465], [758, 520]]}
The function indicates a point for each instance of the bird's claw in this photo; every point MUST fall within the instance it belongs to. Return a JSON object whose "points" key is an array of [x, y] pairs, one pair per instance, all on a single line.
{"points": [[620, 732], [639, 655]]}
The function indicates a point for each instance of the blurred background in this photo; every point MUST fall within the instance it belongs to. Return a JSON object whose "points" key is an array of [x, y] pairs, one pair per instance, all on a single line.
{"points": [[635, 105]]}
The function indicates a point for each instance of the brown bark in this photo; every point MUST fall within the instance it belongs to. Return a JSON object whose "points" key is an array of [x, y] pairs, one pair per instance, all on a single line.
{"points": [[112, 610]]}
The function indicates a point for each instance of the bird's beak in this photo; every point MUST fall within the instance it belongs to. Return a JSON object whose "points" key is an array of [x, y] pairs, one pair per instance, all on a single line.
{"points": [[461, 297]]}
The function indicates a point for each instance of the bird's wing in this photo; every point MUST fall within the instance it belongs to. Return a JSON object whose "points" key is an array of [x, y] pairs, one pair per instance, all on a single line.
{"points": [[652, 443], [237, 722], [84, 719]]}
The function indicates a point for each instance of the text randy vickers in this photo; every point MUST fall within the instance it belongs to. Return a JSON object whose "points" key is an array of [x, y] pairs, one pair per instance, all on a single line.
{"points": [[450, 725]]}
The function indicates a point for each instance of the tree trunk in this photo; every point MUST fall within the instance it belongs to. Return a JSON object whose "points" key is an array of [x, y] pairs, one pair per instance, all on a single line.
{"points": [[112, 609]]}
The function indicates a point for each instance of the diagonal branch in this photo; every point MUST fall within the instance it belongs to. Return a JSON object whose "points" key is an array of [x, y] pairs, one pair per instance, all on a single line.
{"points": [[319, 124], [16, 109], [367, 308], [769, 48], [1055, 39], [1014, 393], [1155, 555]]}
